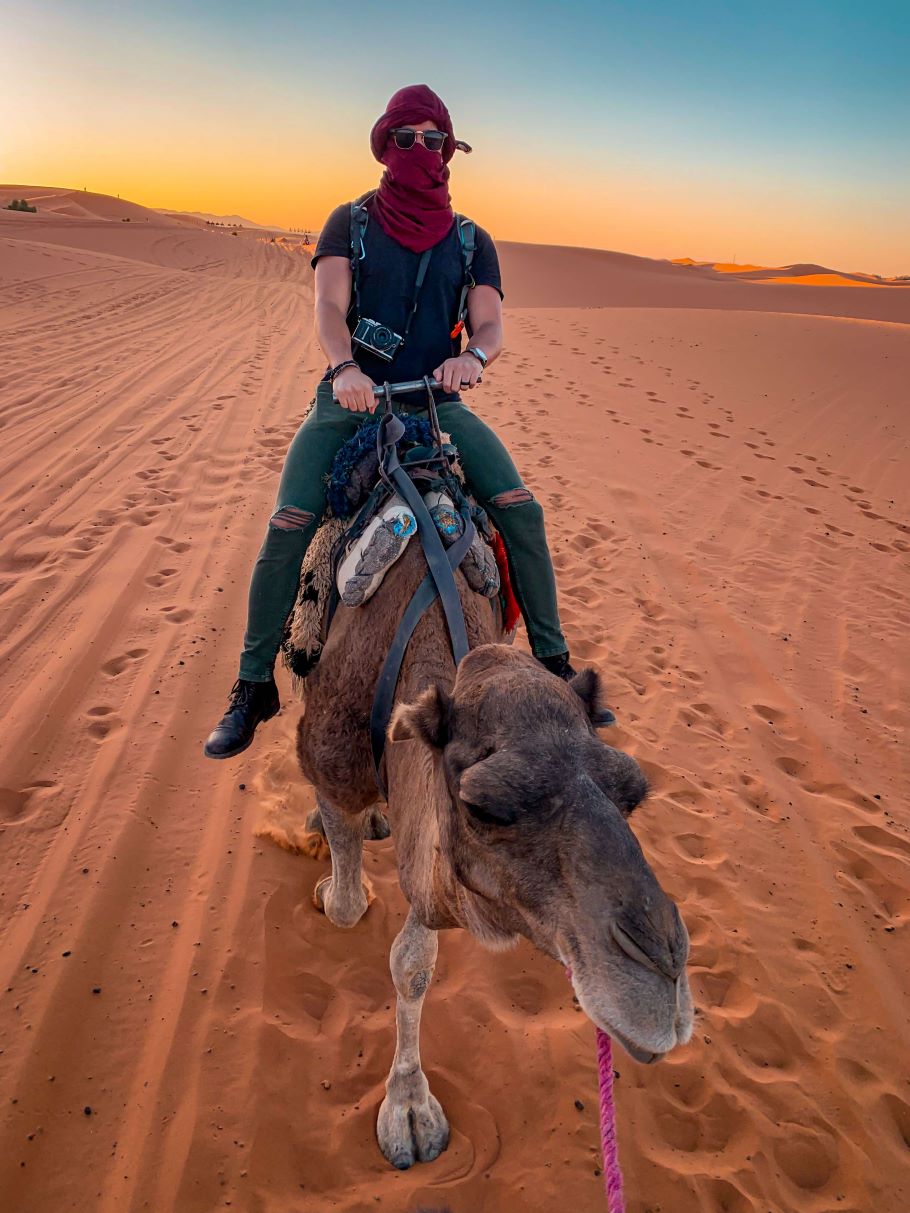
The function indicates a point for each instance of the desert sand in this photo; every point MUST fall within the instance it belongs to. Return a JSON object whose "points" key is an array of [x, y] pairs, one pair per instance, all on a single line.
{"points": [[723, 460]]}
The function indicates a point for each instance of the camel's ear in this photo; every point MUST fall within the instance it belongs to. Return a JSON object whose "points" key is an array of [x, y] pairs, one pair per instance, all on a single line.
{"points": [[427, 719], [620, 776], [586, 686]]}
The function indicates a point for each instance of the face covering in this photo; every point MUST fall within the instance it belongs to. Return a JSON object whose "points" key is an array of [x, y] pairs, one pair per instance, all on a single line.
{"points": [[412, 204]]}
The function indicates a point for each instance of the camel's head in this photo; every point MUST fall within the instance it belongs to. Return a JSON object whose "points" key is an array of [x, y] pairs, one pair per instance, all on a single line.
{"points": [[536, 825]]}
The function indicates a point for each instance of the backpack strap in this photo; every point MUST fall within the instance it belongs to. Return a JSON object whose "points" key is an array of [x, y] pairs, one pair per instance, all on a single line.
{"points": [[467, 235], [358, 225]]}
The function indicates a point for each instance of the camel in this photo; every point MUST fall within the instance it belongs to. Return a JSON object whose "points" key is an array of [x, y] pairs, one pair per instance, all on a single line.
{"points": [[509, 817]]}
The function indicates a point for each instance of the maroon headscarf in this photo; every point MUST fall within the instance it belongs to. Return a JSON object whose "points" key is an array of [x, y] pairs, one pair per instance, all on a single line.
{"points": [[412, 204]]}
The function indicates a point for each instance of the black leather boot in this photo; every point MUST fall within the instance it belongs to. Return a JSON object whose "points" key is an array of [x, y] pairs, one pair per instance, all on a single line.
{"points": [[560, 666], [250, 704]]}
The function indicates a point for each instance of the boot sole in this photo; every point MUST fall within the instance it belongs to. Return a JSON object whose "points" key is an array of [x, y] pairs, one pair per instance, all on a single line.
{"points": [[246, 745]]}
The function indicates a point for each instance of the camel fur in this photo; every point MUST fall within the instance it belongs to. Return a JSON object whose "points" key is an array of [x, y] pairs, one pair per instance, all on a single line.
{"points": [[509, 816]]}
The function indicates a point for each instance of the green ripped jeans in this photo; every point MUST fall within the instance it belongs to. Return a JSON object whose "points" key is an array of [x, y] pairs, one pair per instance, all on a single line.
{"points": [[491, 476]]}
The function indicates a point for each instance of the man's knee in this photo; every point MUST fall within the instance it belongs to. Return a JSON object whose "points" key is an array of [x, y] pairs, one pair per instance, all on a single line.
{"points": [[290, 518], [517, 514], [511, 498]]}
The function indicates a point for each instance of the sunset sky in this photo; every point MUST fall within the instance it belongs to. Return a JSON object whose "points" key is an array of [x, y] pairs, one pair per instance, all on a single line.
{"points": [[767, 132]]}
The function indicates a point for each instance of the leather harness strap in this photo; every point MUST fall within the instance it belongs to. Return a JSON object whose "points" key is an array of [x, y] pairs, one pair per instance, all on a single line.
{"points": [[439, 582], [387, 683], [390, 430]]}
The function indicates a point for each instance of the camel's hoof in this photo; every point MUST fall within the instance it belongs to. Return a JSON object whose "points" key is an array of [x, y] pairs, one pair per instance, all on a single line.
{"points": [[339, 911], [314, 822], [377, 826], [410, 1132]]}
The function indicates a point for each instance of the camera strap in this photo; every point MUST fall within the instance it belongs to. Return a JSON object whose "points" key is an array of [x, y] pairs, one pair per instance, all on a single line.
{"points": [[418, 283], [467, 239], [358, 226]]}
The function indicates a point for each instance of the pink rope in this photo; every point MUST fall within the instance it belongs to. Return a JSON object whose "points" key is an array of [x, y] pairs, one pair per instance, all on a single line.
{"points": [[612, 1172], [608, 1142]]}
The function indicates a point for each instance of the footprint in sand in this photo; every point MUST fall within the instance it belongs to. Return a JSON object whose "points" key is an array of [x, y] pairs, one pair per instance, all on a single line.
{"points": [[19, 805], [652, 610], [116, 665], [175, 614], [173, 544], [102, 721], [141, 517], [706, 717], [884, 841], [897, 1116], [700, 848], [878, 877], [156, 580]]}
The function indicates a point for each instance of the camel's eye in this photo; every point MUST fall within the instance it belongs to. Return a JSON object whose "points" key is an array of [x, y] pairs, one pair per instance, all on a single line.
{"points": [[498, 789], [492, 814]]}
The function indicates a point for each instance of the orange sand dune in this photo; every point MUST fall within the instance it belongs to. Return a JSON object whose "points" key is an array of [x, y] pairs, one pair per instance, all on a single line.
{"points": [[823, 280], [77, 204], [807, 274], [548, 276], [727, 502]]}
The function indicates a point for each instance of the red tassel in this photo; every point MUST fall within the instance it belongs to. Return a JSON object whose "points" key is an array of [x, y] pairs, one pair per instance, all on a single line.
{"points": [[512, 612], [457, 330]]}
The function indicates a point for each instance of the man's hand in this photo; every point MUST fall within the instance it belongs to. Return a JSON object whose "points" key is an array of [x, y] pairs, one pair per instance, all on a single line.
{"points": [[457, 373], [354, 390]]}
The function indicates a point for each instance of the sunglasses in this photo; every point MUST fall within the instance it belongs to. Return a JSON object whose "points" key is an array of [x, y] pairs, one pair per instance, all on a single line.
{"points": [[432, 140]]}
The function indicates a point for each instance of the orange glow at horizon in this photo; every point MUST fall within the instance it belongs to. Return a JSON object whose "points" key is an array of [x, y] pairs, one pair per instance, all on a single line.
{"points": [[640, 216]]}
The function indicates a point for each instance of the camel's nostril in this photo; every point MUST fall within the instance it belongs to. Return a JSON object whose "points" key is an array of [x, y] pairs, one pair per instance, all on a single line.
{"points": [[635, 951]]}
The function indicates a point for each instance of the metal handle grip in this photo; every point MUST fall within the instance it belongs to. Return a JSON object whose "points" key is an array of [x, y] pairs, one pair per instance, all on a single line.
{"points": [[399, 389]]}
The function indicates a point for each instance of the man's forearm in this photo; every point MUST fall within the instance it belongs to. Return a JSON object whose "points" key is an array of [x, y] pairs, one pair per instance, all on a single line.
{"points": [[489, 338], [332, 332]]}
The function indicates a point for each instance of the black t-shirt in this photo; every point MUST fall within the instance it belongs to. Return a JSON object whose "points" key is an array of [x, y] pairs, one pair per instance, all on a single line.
{"points": [[387, 277]]}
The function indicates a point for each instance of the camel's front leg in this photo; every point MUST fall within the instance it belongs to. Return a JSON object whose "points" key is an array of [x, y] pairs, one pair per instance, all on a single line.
{"points": [[345, 895], [412, 1126]]}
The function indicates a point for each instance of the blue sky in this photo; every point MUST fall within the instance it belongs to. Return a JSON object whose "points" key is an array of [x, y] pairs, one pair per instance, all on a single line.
{"points": [[733, 118]]}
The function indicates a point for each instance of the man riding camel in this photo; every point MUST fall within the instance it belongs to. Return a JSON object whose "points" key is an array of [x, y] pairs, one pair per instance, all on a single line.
{"points": [[411, 275]]}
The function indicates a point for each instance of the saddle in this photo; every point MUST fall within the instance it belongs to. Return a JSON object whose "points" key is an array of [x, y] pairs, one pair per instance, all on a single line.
{"points": [[396, 479]]}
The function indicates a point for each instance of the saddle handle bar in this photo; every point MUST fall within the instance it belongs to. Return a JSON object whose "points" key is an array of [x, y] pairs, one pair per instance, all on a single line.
{"points": [[399, 389], [382, 390]]}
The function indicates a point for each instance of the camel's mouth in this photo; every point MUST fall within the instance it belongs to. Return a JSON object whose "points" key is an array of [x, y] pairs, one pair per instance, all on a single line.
{"points": [[637, 1054], [598, 1011]]}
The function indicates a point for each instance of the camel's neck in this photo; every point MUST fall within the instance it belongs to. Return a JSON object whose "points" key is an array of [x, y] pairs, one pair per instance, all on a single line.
{"points": [[418, 802], [421, 809], [418, 795], [423, 668]]}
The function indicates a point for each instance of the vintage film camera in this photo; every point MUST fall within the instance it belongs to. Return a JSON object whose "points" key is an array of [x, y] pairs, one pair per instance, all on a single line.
{"points": [[378, 338]]}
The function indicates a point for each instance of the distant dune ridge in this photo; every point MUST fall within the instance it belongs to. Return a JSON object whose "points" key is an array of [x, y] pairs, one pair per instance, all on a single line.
{"points": [[568, 277], [723, 462], [228, 220]]}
